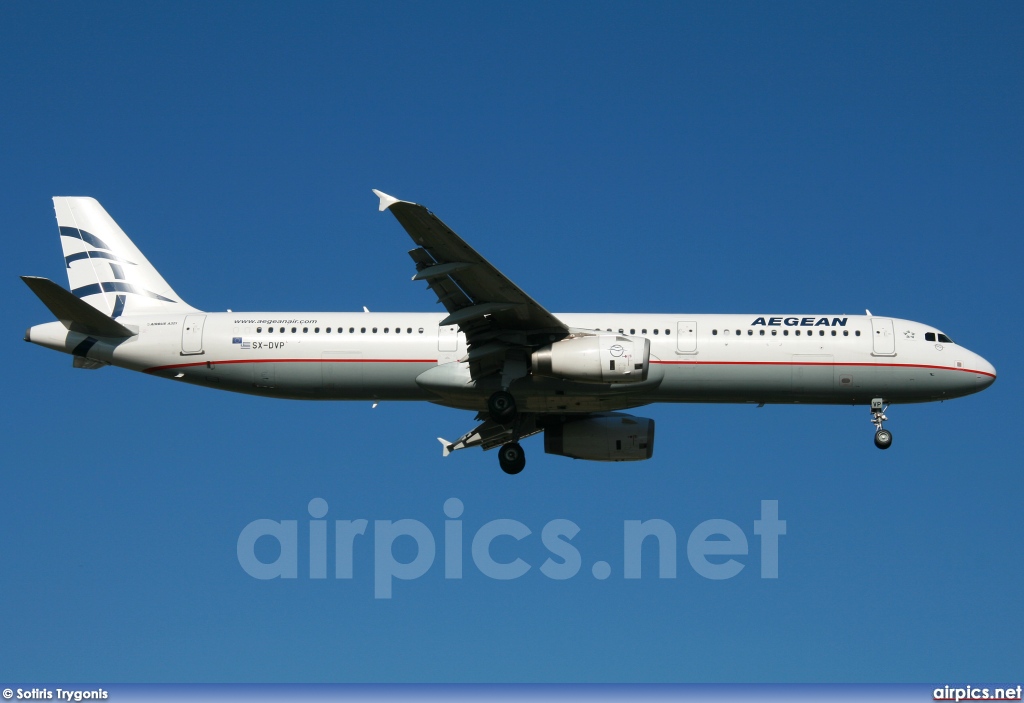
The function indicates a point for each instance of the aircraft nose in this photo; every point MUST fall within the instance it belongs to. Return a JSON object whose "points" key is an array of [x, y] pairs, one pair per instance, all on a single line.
{"points": [[986, 373]]}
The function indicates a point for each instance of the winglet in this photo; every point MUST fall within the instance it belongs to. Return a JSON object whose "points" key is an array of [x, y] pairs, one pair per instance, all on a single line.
{"points": [[386, 200], [447, 447]]}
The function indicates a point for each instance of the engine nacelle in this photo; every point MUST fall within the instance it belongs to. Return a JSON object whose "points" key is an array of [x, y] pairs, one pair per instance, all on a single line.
{"points": [[606, 437], [599, 358]]}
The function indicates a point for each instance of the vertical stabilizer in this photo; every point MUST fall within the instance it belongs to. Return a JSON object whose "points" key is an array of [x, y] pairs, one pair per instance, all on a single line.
{"points": [[105, 269]]}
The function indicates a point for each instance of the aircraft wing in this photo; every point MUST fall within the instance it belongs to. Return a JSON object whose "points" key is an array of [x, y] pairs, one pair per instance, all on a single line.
{"points": [[492, 311]]}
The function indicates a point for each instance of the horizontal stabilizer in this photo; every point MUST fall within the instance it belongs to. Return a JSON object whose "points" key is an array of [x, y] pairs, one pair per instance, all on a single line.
{"points": [[73, 312], [446, 446]]}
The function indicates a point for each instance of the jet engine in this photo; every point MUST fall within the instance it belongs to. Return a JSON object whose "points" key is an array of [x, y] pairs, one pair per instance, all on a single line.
{"points": [[598, 358], [605, 437]]}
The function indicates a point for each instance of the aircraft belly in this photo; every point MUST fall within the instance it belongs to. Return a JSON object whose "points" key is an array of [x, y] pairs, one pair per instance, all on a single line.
{"points": [[903, 383], [372, 380], [814, 379], [727, 382]]}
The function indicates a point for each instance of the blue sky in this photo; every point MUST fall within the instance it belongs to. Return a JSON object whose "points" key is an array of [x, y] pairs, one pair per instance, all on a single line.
{"points": [[663, 157]]}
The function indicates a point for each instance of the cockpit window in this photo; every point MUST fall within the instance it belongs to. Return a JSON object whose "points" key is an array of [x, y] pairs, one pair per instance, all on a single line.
{"points": [[929, 336], [944, 339]]}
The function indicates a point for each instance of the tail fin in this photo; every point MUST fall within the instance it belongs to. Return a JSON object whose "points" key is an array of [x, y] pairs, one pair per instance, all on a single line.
{"points": [[105, 269]]}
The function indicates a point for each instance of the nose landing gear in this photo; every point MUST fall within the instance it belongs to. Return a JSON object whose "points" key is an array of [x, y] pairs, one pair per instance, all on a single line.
{"points": [[883, 437]]}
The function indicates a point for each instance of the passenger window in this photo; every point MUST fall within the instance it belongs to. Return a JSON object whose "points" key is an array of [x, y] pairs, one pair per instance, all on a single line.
{"points": [[294, 330], [281, 330], [798, 333], [750, 333], [375, 330], [785, 333], [305, 330], [643, 331], [421, 330], [386, 330], [833, 332], [775, 333], [351, 330], [761, 332], [270, 330], [621, 331], [846, 333], [821, 333], [857, 333], [632, 331], [258, 330], [656, 331], [714, 332], [408, 330], [362, 330]]}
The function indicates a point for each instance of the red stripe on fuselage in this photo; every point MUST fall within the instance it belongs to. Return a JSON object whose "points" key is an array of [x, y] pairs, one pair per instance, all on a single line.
{"points": [[821, 363], [193, 364]]}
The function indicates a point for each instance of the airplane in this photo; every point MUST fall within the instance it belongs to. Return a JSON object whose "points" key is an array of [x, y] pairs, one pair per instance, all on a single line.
{"points": [[495, 351]]}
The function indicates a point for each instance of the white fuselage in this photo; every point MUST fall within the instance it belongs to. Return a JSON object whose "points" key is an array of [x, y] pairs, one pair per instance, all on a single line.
{"points": [[834, 359]]}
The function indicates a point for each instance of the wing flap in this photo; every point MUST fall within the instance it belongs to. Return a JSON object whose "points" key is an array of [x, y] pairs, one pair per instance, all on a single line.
{"points": [[490, 434]]}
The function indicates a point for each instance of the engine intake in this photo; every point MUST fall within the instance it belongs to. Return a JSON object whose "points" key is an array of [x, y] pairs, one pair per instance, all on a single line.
{"points": [[605, 437], [599, 358]]}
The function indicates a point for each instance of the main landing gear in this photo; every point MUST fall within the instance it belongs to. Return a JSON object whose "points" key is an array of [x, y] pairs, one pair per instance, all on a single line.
{"points": [[501, 407], [512, 458], [883, 437]]}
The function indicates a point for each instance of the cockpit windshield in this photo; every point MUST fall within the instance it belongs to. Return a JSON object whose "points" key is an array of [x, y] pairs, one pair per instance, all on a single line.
{"points": [[933, 337]]}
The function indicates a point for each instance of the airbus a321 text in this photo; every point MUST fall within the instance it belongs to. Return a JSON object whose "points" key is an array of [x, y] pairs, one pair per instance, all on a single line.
{"points": [[496, 351]]}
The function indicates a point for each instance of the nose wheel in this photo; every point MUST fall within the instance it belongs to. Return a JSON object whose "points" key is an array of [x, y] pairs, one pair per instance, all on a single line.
{"points": [[883, 437], [512, 458]]}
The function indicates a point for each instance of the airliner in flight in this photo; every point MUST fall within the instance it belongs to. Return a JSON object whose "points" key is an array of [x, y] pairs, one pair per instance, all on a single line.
{"points": [[495, 351]]}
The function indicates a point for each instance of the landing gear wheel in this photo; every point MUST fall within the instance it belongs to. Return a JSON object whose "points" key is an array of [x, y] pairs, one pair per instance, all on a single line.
{"points": [[502, 407], [512, 458], [883, 437]]}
